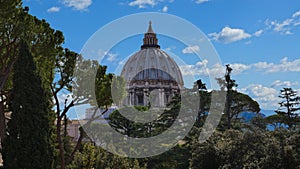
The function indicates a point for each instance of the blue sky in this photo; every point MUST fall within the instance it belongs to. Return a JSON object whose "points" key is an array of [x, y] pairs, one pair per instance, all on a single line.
{"points": [[260, 39]]}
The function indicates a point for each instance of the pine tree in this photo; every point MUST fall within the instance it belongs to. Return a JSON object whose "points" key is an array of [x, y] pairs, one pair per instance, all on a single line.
{"points": [[236, 102], [28, 145], [228, 84], [289, 106]]}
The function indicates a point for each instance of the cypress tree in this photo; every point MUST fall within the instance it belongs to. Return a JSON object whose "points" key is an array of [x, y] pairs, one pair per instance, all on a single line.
{"points": [[28, 144]]}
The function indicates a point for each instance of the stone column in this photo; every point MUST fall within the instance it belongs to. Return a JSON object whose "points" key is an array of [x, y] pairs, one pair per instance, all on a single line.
{"points": [[129, 99], [132, 98], [146, 97], [163, 102]]}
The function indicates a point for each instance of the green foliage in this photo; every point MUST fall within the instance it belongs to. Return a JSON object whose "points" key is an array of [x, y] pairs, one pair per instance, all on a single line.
{"points": [[204, 101], [92, 84], [275, 120], [259, 122], [103, 88], [28, 144], [95, 157], [85, 159], [236, 102], [141, 108], [176, 157], [29, 141], [11, 17], [44, 43], [288, 112], [235, 149], [137, 129], [118, 89], [227, 83]]}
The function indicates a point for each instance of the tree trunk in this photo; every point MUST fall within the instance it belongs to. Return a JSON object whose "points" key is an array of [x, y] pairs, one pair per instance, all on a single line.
{"points": [[79, 141], [227, 109], [60, 144], [2, 124]]}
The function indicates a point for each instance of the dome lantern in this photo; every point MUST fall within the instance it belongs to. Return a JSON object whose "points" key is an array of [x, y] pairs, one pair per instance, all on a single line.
{"points": [[150, 40]]}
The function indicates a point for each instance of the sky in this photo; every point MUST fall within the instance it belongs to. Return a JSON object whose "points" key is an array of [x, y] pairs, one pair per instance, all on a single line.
{"points": [[259, 39]]}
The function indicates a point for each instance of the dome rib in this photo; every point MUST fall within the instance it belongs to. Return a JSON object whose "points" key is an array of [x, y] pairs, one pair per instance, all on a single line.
{"points": [[151, 59]]}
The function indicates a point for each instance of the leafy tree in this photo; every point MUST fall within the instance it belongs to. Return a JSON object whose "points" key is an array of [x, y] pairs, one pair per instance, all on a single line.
{"points": [[119, 90], [258, 122], [64, 63], [276, 121], [84, 73], [87, 158], [91, 156], [289, 109], [236, 149], [177, 157], [44, 44], [29, 143], [204, 101], [236, 102], [289, 157], [227, 84], [205, 155], [9, 28], [89, 71]]}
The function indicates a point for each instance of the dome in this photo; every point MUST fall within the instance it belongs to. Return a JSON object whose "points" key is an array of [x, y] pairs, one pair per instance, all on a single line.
{"points": [[151, 64], [152, 76]]}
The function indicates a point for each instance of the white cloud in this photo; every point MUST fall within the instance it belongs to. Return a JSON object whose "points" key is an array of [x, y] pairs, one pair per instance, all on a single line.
{"points": [[228, 35], [108, 55], [111, 57], [262, 65], [298, 91], [201, 1], [122, 62], [198, 69], [261, 91], [170, 48], [78, 4], [267, 97], [217, 70], [165, 9], [258, 33], [152, 3], [285, 26], [248, 42], [53, 9], [282, 27], [238, 68], [283, 66], [143, 3], [296, 14], [191, 49], [201, 68], [279, 83]]}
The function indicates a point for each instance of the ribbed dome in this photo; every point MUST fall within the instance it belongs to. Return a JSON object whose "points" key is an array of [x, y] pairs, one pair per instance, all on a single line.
{"points": [[151, 64], [152, 76]]}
